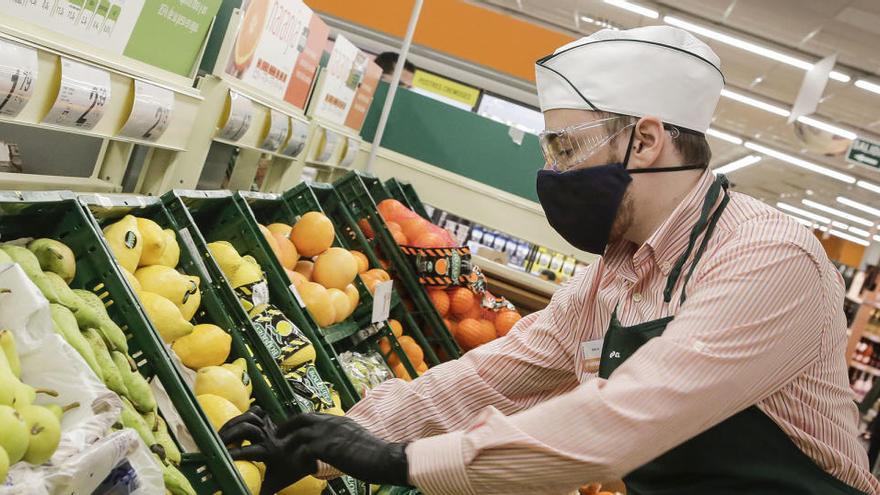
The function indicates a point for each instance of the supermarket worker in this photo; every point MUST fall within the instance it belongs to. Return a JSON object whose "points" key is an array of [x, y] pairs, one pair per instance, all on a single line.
{"points": [[717, 322]]}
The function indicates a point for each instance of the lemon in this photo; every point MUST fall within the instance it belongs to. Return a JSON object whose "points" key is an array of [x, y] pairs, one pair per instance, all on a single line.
{"points": [[171, 256], [251, 475], [165, 317], [153, 239], [306, 486], [239, 367], [207, 345], [218, 409], [125, 241], [220, 381], [226, 256]]}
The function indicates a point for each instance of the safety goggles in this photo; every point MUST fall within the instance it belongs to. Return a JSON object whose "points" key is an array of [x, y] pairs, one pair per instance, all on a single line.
{"points": [[566, 148]]}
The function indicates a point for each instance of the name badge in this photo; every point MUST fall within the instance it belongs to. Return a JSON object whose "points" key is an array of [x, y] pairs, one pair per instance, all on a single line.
{"points": [[592, 352]]}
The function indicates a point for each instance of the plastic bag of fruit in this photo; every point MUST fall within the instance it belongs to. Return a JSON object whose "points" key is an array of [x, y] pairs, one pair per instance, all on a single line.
{"points": [[365, 370]]}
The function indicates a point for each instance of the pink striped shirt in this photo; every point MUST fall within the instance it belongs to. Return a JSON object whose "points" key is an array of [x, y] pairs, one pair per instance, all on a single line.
{"points": [[763, 324]]}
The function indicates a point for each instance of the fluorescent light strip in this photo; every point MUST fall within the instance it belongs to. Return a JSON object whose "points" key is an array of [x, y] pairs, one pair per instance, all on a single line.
{"points": [[868, 86], [638, 9], [858, 231], [850, 238], [767, 107], [738, 164], [839, 225], [818, 124], [800, 163], [730, 138], [869, 186], [836, 212], [749, 46], [802, 221], [858, 206], [804, 213]]}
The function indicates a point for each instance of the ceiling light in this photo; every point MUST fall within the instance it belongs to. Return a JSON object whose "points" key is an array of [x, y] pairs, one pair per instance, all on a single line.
{"points": [[738, 164], [730, 138], [839, 225], [802, 221], [822, 228], [750, 47], [869, 186], [850, 238], [800, 163], [804, 213], [839, 213], [858, 231], [588, 19], [858, 206], [867, 85], [638, 9], [767, 107], [818, 124]]}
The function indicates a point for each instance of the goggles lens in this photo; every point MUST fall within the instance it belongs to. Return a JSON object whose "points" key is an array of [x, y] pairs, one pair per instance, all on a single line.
{"points": [[566, 148]]}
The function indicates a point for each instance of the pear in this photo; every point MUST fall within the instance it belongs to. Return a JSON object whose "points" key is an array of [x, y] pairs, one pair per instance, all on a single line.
{"points": [[13, 392], [239, 367], [163, 438], [54, 256], [63, 293], [226, 256], [131, 419], [171, 256], [7, 343], [4, 465], [223, 383], [65, 325], [175, 482], [125, 242], [139, 391], [44, 428], [178, 288], [165, 316], [4, 258], [207, 345], [31, 266], [99, 319], [109, 372], [132, 280], [59, 411], [153, 241], [13, 434]]}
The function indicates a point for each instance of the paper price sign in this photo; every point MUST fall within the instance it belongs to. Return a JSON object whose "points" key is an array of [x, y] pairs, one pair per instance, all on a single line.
{"points": [[18, 72], [351, 149], [82, 97], [150, 112], [239, 114], [279, 125], [382, 301], [299, 131], [331, 141]]}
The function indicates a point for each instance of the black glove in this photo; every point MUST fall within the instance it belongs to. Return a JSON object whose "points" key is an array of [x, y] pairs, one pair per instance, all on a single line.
{"points": [[285, 462], [348, 447]]}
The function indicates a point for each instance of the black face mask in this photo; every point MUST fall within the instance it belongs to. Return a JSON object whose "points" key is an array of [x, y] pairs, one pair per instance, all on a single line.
{"points": [[581, 204]]}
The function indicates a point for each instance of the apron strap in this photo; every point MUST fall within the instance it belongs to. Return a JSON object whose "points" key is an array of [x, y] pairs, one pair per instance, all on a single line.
{"points": [[699, 255], [703, 222]]}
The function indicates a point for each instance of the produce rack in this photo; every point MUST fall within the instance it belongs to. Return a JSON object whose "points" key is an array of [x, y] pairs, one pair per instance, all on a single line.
{"points": [[360, 191], [405, 193], [25, 214], [222, 215]]}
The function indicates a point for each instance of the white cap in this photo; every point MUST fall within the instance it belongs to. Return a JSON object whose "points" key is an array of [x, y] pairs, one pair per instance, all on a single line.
{"points": [[654, 70]]}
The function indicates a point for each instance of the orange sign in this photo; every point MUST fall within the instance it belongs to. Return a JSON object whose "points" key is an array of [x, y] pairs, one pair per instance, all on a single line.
{"points": [[307, 63], [363, 97]]}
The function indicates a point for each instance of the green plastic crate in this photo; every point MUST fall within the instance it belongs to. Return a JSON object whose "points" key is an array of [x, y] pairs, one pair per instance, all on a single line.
{"points": [[214, 308], [360, 192], [218, 215], [60, 216], [406, 194]]}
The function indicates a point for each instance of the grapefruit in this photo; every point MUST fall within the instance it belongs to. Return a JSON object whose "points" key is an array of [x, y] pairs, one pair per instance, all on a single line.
{"points": [[412, 349], [422, 368], [341, 303], [335, 268], [396, 327], [296, 278], [279, 228], [304, 268], [505, 320], [461, 300], [270, 239], [440, 300], [385, 347], [471, 333], [286, 252], [378, 273], [318, 302], [353, 296], [370, 282], [249, 33], [313, 234], [400, 372], [362, 261]]}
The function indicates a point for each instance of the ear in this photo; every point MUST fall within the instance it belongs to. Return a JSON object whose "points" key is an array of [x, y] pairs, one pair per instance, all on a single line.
{"points": [[648, 142]]}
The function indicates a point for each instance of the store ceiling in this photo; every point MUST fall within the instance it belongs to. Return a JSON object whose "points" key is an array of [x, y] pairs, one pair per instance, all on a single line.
{"points": [[806, 29]]}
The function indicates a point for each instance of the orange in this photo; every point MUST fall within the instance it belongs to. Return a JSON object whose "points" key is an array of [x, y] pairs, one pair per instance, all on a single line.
{"points": [[400, 372], [313, 234], [249, 35], [393, 227], [505, 320], [279, 228], [422, 368], [385, 264], [396, 327], [353, 296], [341, 304], [335, 268], [475, 312], [392, 210], [400, 238], [304, 268], [487, 326], [440, 300], [379, 273], [414, 227], [286, 251], [270, 239], [318, 302], [364, 224], [451, 326], [384, 347], [363, 262], [296, 278], [369, 282], [412, 349], [471, 333], [461, 300], [430, 240]]}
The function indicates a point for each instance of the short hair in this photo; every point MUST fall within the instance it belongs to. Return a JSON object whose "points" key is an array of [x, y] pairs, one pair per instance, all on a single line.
{"points": [[691, 145], [387, 61]]}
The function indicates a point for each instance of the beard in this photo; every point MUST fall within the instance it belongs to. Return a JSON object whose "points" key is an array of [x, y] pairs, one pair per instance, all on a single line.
{"points": [[624, 218]]}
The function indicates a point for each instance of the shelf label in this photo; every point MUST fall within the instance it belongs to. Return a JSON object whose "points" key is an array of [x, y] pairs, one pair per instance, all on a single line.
{"points": [[331, 142], [382, 301], [240, 112], [260, 293], [299, 131], [82, 97], [18, 73], [150, 113], [351, 149], [279, 127]]}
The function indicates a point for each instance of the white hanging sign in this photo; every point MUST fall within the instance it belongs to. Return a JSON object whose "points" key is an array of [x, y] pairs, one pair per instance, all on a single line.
{"points": [[18, 74], [238, 121], [331, 141], [299, 131], [150, 113], [279, 125], [351, 150], [382, 301], [82, 97]]}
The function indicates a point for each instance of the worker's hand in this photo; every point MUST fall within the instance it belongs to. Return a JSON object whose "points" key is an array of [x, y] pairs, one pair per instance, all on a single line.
{"points": [[285, 462], [591, 489], [348, 447]]}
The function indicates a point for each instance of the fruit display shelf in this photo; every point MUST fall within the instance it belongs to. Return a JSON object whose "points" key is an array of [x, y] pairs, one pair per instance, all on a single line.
{"points": [[219, 216], [60, 216], [360, 192], [274, 396], [406, 194], [304, 198]]}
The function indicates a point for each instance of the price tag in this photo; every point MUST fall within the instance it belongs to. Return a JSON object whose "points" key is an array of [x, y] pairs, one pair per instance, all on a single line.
{"points": [[299, 299], [382, 301], [351, 150], [279, 126], [331, 141], [18, 73], [82, 97], [299, 131], [238, 121], [187, 239], [260, 293], [150, 113], [592, 351]]}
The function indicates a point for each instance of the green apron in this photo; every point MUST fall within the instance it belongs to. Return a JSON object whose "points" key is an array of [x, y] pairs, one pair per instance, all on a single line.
{"points": [[747, 452]]}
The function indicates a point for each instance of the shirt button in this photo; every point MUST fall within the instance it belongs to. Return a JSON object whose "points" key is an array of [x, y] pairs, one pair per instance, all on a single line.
{"points": [[665, 267], [637, 297]]}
